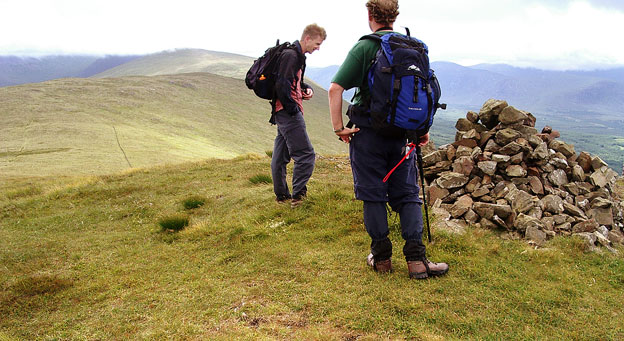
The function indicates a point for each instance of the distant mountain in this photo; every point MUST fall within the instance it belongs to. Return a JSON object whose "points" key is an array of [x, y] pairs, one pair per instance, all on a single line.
{"points": [[21, 70], [183, 61], [529, 89]]}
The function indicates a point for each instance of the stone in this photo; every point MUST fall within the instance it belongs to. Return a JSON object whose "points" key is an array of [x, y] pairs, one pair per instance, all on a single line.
{"points": [[616, 237], [602, 216], [463, 151], [536, 186], [473, 184], [487, 167], [450, 180], [523, 222], [578, 174], [438, 168], [487, 210], [536, 235], [502, 189], [471, 134], [585, 161], [433, 158], [481, 191], [490, 111], [465, 142], [522, 201], [435, 192], [515, 171], [499, 158], [559, 163], [463, 165], [573, 210], [562, 147], [517, 158], [471, 217], [476, 154], [598, 179], [540, 152], [597, 163], [510, 115], [506, 136], [552, 203], [492, 146], [488, 224], [600, 202], [461, 206], [589, 225], [472, 116], [558, 177], [450, 152], [511, 148], [601, 239], [463, 124], [500, 222]]}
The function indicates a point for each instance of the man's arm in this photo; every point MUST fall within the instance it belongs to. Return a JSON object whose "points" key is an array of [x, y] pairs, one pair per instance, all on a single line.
{"points": [[335, 112]]}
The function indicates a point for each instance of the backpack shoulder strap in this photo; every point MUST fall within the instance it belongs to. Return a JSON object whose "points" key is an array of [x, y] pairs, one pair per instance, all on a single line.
{"points": [[371, 36]]}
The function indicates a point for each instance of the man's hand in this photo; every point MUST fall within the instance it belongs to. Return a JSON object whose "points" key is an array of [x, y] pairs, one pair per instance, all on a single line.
{"points": [[423, 140], [347, 133], [308, 93]]}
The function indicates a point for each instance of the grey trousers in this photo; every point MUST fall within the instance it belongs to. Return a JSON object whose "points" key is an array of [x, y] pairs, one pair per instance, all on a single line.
{"points": [[291, 142]]}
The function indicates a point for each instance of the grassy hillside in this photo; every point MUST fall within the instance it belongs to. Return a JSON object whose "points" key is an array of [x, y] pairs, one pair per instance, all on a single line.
{"points": [[99, 126], [183, 61], [85, 258]]}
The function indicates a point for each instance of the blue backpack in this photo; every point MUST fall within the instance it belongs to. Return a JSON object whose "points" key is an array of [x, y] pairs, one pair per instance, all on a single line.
{"points": [[405, 92]]}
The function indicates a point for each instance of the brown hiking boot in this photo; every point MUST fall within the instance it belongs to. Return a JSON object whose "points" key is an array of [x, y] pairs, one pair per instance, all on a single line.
{"points": [[383, 266], [423, 269]]}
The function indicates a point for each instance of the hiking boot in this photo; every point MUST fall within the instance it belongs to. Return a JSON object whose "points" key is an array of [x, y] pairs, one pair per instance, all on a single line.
{"points": [[423, 269], [297, 201], [382, 266], [282, 199]]}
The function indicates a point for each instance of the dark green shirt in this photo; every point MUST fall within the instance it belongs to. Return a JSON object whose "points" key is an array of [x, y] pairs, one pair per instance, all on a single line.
{"points": [[354, 70]]}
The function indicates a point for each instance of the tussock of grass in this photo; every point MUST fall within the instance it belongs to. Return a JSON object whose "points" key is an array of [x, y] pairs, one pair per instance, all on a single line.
{"points": [[174, 222], [249, 268], [261, 179], [193, 202]]}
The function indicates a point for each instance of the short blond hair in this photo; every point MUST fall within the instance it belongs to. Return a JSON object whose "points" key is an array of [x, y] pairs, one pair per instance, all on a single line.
{"points": [[383, 12], [314, 31]]}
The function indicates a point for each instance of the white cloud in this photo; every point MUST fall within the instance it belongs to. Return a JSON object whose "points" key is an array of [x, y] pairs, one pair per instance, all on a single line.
{"points": [[550, 34]]}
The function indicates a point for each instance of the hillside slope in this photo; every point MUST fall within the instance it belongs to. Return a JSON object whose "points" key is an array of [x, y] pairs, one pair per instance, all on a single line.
{"points": [[183, 61], [95, 126]]}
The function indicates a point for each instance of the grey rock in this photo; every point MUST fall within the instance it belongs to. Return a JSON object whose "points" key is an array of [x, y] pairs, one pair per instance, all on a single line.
{"points": [[464, 124], [552, 203], [602, 216], [536, 186], [487, 210], [558, 177], [585, 226], [536, 235], [487, 167], [450, 180], [522, 201], [516, 171], [578, 174], [511, 148], [573, 210], [490, 111], [616, 237], [461, 206], [511, 115], [506, 136], [499, 158], [472, 116], [523, 222], [463, 151], [597, 163]]}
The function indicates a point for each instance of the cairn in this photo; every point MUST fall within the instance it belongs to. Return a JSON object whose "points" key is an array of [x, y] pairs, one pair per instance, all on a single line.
{"points": [[501, 173]]}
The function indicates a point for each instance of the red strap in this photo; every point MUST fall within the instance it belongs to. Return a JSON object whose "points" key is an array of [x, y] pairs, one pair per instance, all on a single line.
{"points": [[413, 146]]}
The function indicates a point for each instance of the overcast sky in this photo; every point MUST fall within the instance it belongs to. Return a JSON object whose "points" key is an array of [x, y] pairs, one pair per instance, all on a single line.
{"points": [[549, 34]]}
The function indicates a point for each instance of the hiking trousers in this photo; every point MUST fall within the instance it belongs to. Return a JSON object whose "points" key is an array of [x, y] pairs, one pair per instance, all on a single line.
{"points": [[292, 141], [372, 157]]}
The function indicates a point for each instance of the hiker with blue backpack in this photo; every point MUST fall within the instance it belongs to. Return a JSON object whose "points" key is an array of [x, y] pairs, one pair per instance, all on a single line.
{"points": [[392, 110], [278, 76]]}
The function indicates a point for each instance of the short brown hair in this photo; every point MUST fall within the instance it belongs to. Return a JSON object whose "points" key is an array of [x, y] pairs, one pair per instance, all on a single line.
{"points": [[383, 11], [314, 31]]}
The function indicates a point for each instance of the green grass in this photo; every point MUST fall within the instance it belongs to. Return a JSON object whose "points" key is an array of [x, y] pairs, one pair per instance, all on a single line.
{"points": [[261, 179], [85, 258]]}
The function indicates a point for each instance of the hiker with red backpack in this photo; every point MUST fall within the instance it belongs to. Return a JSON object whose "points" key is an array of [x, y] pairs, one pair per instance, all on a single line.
{"points": [[278, 76], [391, 113]]}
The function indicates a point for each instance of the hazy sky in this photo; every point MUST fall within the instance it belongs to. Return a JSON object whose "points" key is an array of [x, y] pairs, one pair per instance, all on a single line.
{"points": [[551, 34]]}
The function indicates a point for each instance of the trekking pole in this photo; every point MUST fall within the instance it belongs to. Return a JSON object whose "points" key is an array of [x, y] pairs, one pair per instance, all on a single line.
{"points": [[422, 181]]}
